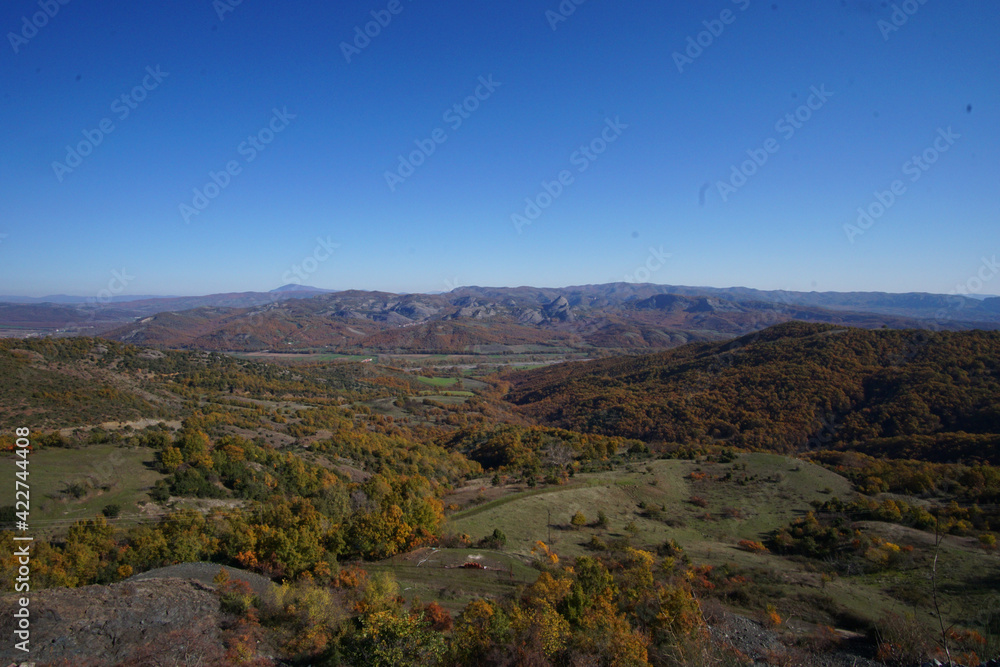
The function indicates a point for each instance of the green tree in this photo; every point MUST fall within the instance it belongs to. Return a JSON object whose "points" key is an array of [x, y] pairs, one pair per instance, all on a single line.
{"points": [[388, 640]]}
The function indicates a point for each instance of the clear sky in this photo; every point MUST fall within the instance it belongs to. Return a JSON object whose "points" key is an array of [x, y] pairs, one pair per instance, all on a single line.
{"points": [[639, 123]]}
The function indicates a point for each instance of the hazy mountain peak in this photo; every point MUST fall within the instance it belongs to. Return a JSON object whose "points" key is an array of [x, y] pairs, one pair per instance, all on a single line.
{"points": [[293, 287]]}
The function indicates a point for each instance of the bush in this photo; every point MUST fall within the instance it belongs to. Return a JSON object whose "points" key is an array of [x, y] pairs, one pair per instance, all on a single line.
{"points": [[77, 490], [495, 541], [670, 548], [579, 520], [235, 596], [902, 640], [112, 511], [597, 544], [753, 547], [460, 541], [191, 482], [160, 493]]}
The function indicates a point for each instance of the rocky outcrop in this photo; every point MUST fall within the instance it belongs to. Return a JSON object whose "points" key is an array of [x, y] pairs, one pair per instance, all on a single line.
{"points": [[559, 309], [129, 623], [530, 317]]}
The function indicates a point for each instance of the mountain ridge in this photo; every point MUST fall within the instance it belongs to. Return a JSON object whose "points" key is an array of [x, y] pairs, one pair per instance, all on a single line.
{"points": [[619, 316]]}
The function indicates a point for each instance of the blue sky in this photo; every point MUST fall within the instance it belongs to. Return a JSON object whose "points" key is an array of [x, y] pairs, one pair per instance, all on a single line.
{"points": [[641, 137]]}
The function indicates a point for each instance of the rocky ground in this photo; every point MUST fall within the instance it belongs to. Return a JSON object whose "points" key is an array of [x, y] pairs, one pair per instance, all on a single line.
{"points": [[205, 573], [150, 623], [767, 647]]}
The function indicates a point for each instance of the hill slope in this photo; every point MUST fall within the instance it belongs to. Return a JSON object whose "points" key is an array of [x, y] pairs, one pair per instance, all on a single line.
{"points": [[788, 387]]}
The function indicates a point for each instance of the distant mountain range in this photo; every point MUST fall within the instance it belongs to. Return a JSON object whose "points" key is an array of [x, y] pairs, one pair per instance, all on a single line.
{"points": [[616, 316], [89, 315], [66, 299], [214, 299]]}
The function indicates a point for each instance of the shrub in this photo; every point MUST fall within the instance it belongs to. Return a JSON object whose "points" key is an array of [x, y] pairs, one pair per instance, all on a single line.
{"points": [[160, 493], [753, 547], [460, 541], [597, 544], [579, 520], [236, 596], [670, 548], [495, 541], [902, 640], [771, 617], [698, 501], [76, 489], [220, 577], [435, 615], [112, 511]]}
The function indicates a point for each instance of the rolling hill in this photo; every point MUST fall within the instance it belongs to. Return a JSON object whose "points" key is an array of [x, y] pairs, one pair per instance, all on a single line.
{"points": [[790, 387]]}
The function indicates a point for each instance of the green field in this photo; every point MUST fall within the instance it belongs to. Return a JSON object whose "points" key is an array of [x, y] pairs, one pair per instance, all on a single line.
{"points": [[437, 382], [756, 508], [449, 397], [436, 575], [309, 357], [778, 490], [106, 475], [447, 384]]}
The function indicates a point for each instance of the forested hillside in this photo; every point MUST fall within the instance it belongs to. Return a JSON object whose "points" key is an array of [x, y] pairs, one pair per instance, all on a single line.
{"points": [[792, 387]]}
